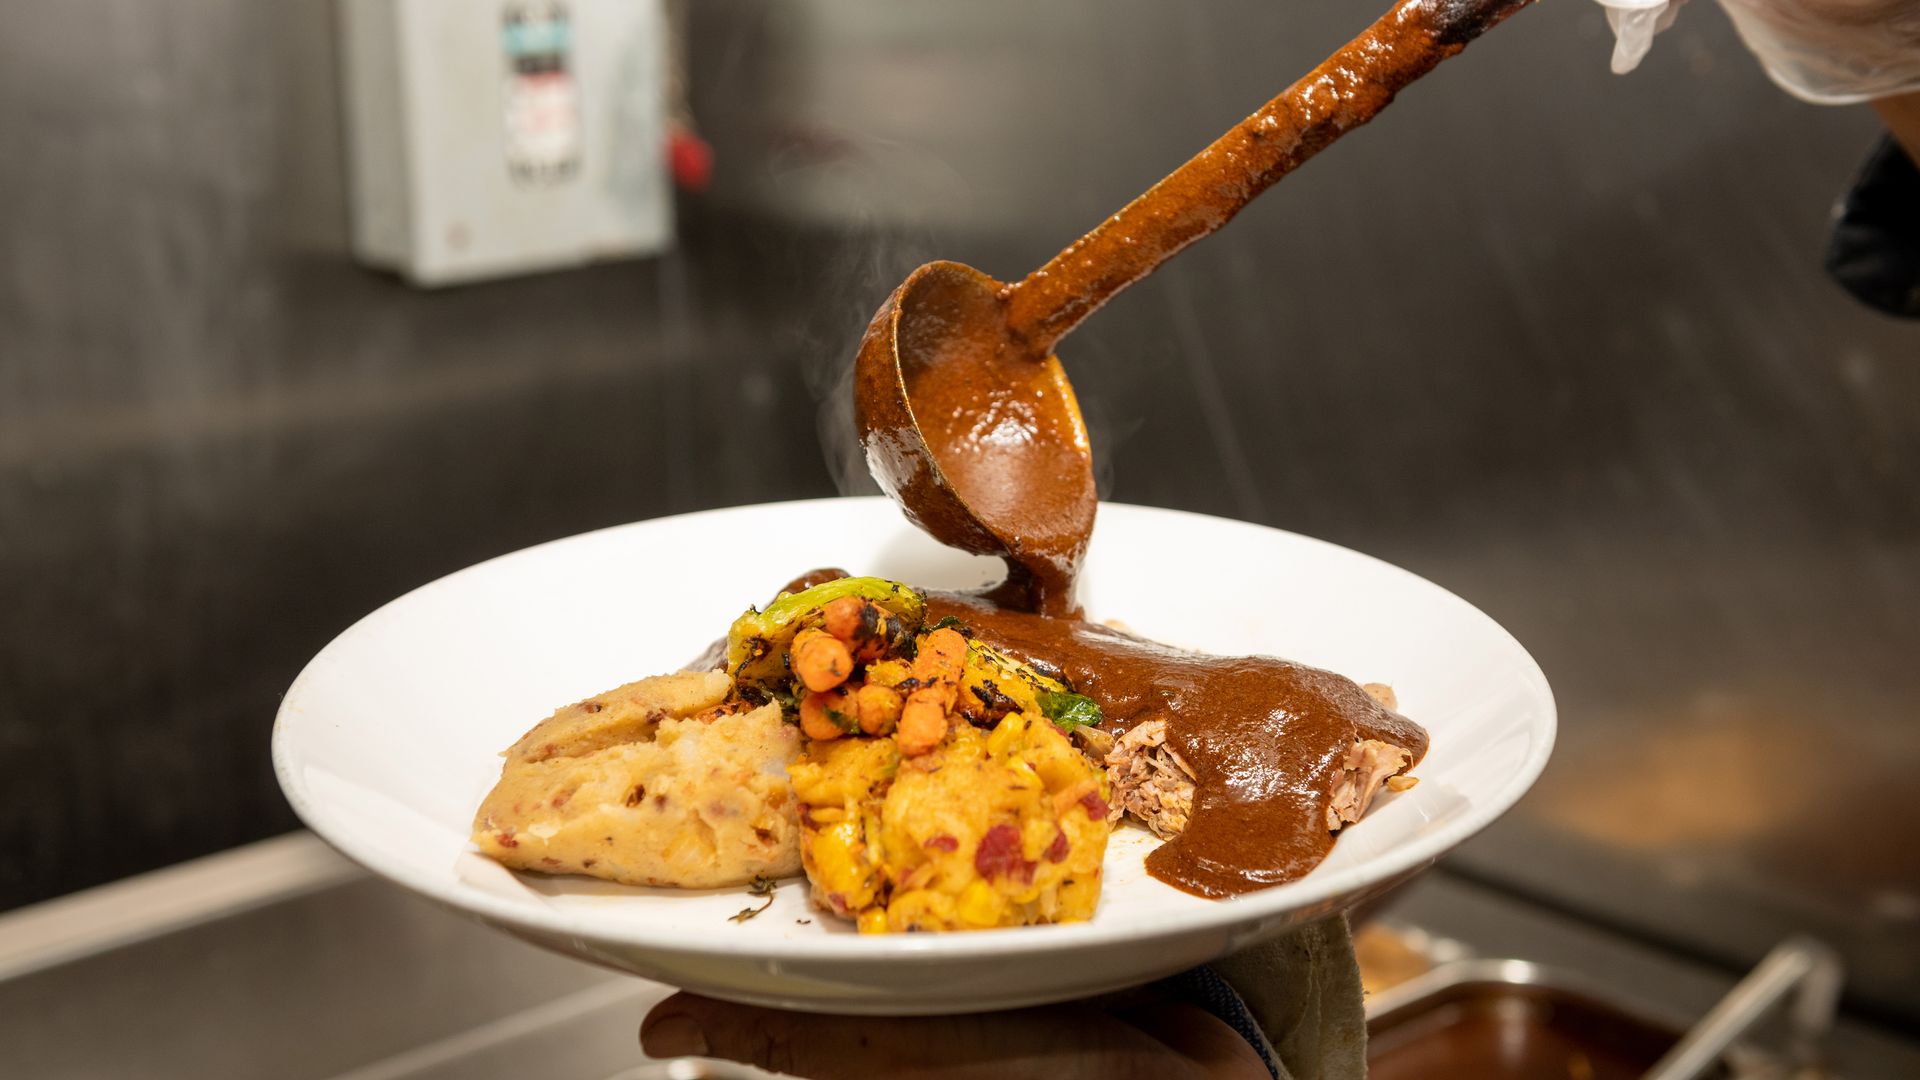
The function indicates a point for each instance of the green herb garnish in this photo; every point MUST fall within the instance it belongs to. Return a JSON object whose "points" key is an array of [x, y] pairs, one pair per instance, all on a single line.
{"points": [[1069, 711], [761, 886], [789, 704]]}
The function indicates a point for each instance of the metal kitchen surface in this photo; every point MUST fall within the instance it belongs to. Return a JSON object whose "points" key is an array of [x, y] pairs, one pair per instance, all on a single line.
{"points": [[282, 959]]}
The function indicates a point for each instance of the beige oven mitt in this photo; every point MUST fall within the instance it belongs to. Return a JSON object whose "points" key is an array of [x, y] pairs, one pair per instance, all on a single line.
{"points": [[1303, 990]]}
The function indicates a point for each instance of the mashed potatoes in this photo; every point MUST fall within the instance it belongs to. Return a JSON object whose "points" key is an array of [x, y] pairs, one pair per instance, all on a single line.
{"points": [[659, 782]]}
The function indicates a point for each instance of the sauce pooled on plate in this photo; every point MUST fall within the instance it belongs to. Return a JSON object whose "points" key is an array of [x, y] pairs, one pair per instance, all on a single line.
{"points": [[1263, 737]]}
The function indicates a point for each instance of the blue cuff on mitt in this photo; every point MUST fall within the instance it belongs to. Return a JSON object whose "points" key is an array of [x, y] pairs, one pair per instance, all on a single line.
{"points": [[1202, 988]]}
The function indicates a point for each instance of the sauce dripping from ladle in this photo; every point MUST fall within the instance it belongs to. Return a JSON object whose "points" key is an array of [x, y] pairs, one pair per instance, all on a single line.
{"points": [[967, 417]]}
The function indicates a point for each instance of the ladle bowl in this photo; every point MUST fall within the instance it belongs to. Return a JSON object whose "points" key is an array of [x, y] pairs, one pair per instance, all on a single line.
{"points": [[941, 356]]}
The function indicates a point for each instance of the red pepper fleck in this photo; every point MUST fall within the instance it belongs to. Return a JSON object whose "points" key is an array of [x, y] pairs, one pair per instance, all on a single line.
{"points": [[999, 855], [506, 840], [560, 799], [1057, 851], [591, 707], [943, 842], [1097, 807]]}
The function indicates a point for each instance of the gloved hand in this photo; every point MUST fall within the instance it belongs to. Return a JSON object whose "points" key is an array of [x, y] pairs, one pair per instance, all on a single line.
{"points": [[1634, 23], [1831, 52]]}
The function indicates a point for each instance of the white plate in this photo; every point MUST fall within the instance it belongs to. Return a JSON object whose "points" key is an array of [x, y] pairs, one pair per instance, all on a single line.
{"points": [[386, 743]]}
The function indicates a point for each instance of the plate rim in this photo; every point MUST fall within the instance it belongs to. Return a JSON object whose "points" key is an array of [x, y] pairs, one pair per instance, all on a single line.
{"points": [[1221, 915]]}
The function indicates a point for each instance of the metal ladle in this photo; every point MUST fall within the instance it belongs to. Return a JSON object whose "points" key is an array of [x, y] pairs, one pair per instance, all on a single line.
{"points": [[966, 416]]}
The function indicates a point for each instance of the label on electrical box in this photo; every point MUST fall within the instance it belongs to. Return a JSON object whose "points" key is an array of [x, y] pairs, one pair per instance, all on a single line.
{"points": [[543, 99]]}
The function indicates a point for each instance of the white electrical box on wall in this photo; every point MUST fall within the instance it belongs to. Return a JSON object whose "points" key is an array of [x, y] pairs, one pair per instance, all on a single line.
{"points": [[495, 137]]}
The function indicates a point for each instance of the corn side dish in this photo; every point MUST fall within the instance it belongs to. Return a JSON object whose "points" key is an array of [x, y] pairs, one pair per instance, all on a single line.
{"points": [[935, 791]]}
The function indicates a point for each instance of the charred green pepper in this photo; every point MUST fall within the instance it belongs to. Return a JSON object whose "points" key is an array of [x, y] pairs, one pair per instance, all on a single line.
{"points": [[758, 641]]}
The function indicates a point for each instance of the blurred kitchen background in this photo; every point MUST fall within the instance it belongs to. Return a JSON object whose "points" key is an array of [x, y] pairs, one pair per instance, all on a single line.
{"points": [[1558, 340]]}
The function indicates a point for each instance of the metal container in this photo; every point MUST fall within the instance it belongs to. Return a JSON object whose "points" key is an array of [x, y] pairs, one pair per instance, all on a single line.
{"points": [[1497, 1019], [1511, 1018]]}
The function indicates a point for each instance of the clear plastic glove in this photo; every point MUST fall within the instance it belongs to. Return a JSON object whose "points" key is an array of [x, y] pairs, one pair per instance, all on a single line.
{"points": [[1634, 23], [1826, 51]]}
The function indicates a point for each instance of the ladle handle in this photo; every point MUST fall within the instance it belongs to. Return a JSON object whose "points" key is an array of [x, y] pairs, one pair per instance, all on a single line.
{"points": [[1346, 90]]}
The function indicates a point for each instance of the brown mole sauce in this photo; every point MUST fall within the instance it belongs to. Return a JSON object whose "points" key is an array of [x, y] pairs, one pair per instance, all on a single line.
{"points": [[1263, 736], [1007, 434]]}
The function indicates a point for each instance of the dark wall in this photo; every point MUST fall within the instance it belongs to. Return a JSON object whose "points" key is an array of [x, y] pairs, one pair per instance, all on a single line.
{"points": [[1558, 340], [221, 442]]}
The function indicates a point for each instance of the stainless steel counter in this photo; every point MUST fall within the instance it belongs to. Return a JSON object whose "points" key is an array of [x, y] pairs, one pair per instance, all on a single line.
{"points": [[281, 959]]}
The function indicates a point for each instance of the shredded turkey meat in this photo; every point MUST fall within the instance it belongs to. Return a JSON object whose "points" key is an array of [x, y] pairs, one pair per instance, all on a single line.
{"points": [[1368, 764], [1150, 781]]}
